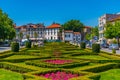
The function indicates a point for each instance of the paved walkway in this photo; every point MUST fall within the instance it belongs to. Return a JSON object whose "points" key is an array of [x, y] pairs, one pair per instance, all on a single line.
{"points": [[2, 49], [110, 51]]}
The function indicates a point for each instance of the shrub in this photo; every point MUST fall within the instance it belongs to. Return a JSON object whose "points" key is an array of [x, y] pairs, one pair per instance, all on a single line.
{"points": [[28, 44], [113, 51], [45, 41], [83, 45], [96, 48], [114, 41], [15, 47]]}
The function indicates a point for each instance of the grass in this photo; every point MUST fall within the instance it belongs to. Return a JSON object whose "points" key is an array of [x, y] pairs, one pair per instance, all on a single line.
{"points": [[21, 56], [113, 74], [9, 75], [96, 57]]}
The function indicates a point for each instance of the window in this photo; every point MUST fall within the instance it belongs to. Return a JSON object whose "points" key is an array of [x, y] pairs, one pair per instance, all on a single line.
{"points": [[54, 33], [51, 38], [65, 35], [69, 35]]}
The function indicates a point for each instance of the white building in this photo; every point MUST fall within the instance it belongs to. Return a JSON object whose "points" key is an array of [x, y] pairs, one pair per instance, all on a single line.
{"points": [[102, 22], [31, 29], [70, 36], [52, 32], [77, 37], [67, 36]]}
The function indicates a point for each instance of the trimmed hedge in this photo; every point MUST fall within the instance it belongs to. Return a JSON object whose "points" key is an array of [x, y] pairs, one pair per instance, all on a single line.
{"points": [[110, 56], [14, 67], [23, 59], [6, 55], [102, 67], [15, 47], [96, 48], [83, 45], [48, 65]]}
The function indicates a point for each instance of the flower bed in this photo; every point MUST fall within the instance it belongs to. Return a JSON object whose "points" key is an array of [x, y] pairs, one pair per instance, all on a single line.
{"points": [[58, 61], [59, 75]]}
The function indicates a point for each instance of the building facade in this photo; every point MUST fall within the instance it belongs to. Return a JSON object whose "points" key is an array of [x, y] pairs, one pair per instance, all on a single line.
{"points": [[67, 36], [102, 22], [31, 30], [71, 36], [77, 37], [52, 32]]}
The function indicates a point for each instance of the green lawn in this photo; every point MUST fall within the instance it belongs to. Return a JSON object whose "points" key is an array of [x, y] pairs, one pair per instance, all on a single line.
{"points": [[21, 57], [113, 74], [9, 75], [97, 57]]}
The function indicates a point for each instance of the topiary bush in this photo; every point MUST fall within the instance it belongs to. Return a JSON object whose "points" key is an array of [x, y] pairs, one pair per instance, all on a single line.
{"points": [[28, 44], [83, 45], [113, 51], [96, 48], [15, 47]]}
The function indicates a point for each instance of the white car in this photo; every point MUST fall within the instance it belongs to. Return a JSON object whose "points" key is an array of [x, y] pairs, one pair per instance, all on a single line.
{"points": [[114, 46]]}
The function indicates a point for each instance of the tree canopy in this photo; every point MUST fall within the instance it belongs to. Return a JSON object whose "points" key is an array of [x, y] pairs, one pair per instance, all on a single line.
{"points": [[74, 25], [7, 30], [112, 30], [93, 33]]}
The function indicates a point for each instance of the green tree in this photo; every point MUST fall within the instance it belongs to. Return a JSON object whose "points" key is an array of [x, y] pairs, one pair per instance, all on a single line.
{"points": [[74, 25], [112, 30], [88, 36], [7, 30], [95, 31]]}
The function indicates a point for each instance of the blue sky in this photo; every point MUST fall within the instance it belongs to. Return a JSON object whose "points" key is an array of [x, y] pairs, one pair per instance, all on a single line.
{"points": [[60, 11]]}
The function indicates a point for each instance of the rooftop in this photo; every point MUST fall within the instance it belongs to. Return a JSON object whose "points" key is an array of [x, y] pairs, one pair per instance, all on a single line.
{"points": [[76, 32], [55, 25], [68, 31]]}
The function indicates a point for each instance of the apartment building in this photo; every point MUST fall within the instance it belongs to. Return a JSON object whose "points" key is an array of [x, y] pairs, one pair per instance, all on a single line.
{"points": [[102, 22], [31, 29], [52, 32]]}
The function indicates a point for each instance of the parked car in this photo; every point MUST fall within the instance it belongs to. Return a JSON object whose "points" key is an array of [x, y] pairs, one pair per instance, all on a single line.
{"points": [[104, 45], [114, 46]]}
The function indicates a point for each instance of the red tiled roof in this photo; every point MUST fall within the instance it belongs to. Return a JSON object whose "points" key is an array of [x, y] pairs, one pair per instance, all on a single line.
{"points": [[34, 26], [54, 26], [76, 32], [68, 31]]}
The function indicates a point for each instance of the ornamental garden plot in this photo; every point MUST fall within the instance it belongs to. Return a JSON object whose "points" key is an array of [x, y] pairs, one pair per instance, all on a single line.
{"points": [[59, 61]]}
